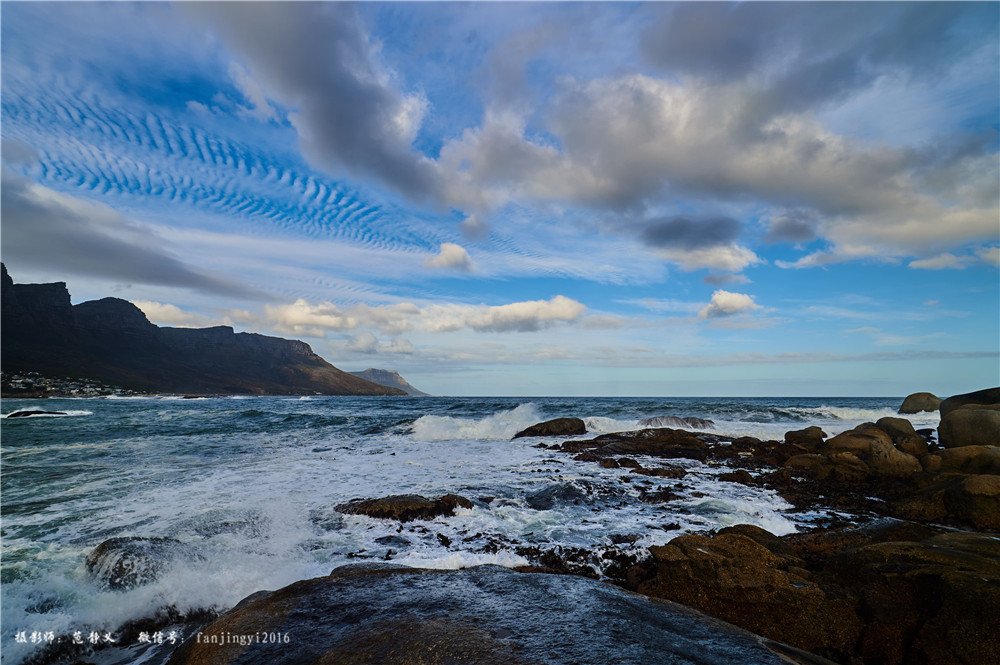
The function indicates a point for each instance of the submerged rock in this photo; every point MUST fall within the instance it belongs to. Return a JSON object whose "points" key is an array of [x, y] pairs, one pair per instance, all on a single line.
{"points": [[658, 442], [127, 562], [674, 421], [918, 402], [555, 427], [28, 413], [385, 615], [405, 507]]}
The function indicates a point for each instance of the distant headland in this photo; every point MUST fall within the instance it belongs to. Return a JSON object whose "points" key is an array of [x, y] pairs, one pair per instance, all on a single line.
{"points": [[112, 342]]}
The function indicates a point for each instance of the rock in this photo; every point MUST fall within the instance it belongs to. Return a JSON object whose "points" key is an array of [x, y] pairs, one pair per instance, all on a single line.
{"points": [[842, 467], [405, 507], [555, 427], [970, 425], [127, 562], [562, 494], [386, 615], [935, 602], [812, 437], [889, 592], [874, 447], [741, 476], [674, 421], [968, 499], [988, 396], [903, 436], [660, 442], [918, 402], [735, 578], [969, 459]]}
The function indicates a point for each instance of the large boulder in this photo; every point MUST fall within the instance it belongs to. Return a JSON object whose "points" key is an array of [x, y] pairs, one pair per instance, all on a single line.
{"points": [[970, 425], [487, 615], [811, 437], [405, 507], [873, 446], [987, 396], [889, 592], [903, 436], [555, 427], [918, 402], [964, 459], [736, 578]]}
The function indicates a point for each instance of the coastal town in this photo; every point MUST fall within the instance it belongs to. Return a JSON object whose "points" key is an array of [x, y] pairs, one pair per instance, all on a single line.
{"points": [[33, 385]]}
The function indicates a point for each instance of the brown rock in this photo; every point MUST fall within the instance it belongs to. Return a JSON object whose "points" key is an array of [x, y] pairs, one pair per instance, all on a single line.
{"points": [[968, 499], [970, 425], [659, 442], [981, 397], [405, 507], [903, 436], [811, 437], [735, 578], [555, 427], [874, 447], [970, 459], [918, 402]]}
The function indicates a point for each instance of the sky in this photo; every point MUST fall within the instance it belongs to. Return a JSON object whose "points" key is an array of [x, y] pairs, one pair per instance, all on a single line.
{"points": [[663, 199]]}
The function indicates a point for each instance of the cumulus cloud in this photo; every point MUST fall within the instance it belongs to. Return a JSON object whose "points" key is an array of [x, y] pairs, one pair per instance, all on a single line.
{"points": [[687, 233], [990, 256], [450, 256], [731, 258], [793, 226], [315, 320], [172, 315], [68, 235], [725, 278], [726, 303]]}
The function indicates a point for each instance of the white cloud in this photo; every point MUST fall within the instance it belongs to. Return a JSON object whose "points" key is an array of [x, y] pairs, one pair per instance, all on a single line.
{"points": [[990, 256], [259, 107], [304, 318], [451, 256], [172, 315], [728, 258], [726, 303], [942, 262]]}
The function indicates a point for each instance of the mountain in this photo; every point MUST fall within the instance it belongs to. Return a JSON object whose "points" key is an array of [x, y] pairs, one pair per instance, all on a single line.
{"points": [[111, 340], [387, 377]]}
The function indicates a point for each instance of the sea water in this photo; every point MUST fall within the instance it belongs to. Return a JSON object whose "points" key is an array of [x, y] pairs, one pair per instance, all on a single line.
{"points": [[249, 486]]}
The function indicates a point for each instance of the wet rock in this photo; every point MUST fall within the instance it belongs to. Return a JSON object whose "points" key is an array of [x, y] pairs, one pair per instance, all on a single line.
{"points": [[735, 578], [812, 437], [741, 476], [873, 446], [843, 467], [560, 494], [382, 615], [918, 402], [663, 472], [628, 463], [674, 421], [608, 463], [889, 592], [661, 442], [970, 425], [555, 427], [127, 562], [405, 507], [663, 495], [398, 541], [979, 397]]}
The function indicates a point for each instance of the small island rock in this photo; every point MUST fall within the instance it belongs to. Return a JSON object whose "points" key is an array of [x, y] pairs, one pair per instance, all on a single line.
{"points": [[918, 402], [555, 427]]}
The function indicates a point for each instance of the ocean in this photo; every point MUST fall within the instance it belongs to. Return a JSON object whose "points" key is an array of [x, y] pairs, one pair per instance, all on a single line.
{"points": [[247, 487]]}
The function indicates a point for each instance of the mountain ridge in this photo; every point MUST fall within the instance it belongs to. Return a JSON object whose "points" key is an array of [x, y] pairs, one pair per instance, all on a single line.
{"points": [[112, 341], [390, 378]]}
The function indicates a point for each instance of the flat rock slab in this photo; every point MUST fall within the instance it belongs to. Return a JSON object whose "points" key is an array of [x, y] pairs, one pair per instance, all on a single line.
{"points": [[383, 614]]}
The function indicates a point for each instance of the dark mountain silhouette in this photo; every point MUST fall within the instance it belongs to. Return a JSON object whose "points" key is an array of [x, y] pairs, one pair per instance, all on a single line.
{"points": [[387, 377], [110, 340]]}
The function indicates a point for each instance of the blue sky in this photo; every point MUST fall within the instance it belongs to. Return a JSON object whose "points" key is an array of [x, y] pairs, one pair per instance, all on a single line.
{"points": [[532, 198]]}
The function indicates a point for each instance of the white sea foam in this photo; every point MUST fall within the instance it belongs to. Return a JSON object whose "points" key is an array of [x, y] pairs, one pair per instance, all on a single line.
{"points": [[458, 560], [69, 413], [497, 427]]}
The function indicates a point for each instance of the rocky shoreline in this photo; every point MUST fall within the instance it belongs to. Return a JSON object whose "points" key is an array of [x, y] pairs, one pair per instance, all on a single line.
{"points": [[906, 571]]}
